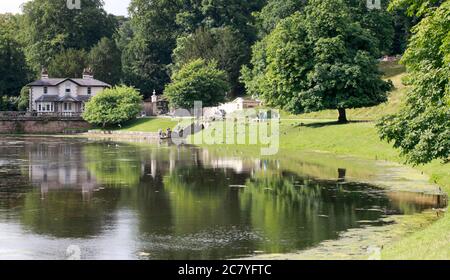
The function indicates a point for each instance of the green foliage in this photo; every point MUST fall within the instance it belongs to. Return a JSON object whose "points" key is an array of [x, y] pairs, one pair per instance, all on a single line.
{"points": [[223, 45], [147, 55], [414, 7], [156, 25], [8, 103], [402, 29], [379, 22], [24, 99], [197, 81], [273, 12], [317, 59], [13, 68], [236, 14], [50, 27], [422, 128], [113, 106], [253, 76], [68, 64], [105, 61]]}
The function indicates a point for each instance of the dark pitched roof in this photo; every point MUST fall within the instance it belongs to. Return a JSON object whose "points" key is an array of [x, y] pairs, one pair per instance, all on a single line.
{"points": [[80, 82], [56, 98], [48, 98], [47, 82], [84, 98], [67, 98], [90, 83]]}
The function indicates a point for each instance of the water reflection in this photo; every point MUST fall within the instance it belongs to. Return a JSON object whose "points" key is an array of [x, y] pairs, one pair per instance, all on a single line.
{"points": [[119, 200]]}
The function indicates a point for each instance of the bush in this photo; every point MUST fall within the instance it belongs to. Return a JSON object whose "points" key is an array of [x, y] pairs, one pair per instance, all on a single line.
{"points": [[113, 106], [24, 99], [8, 103], [197, 81]]}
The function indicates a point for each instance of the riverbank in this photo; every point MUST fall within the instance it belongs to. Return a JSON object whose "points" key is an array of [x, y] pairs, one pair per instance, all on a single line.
{"points": [[428, 239], [360, 139]]}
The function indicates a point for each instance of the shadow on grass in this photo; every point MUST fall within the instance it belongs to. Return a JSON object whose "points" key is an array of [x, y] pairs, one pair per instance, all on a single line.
{"points": [[333, 123]]}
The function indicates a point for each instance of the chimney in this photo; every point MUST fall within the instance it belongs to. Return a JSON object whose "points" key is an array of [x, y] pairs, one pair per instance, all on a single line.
{"points": [[87, 74], [44, 74]]}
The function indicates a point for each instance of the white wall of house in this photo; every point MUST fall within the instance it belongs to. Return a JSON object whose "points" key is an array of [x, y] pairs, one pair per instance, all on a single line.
{"points": [[60, 90], [68, 85]]}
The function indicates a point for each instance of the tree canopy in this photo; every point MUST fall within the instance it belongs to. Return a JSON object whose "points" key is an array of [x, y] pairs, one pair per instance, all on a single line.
{"points": [[105, 61], [68, 63], [223, 45], [318, 59], [13, 67], [50, 27], [160, 36], [197, 80], [422, 128]]}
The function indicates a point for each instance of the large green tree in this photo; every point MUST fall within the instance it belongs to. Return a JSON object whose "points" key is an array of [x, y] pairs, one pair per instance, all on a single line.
{"points": [[223, 45], [147, 55], [319, 59], [105, 61], [68, 64], [198, 80], [50, 27], [13, 68], [422, 128]]}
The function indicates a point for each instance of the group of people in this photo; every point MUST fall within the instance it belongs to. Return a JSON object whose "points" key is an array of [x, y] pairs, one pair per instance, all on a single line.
{"points": [[168, 134], [165, 135]]}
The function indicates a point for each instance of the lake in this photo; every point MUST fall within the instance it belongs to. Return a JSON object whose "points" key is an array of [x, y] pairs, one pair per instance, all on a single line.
{"points": [[104, 200]]}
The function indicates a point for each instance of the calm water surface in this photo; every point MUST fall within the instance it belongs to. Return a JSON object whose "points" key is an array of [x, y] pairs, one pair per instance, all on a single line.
{"points": [[123, 201]]}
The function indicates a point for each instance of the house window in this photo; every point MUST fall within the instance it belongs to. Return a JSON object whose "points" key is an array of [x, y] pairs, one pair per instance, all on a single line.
{"points": [[48, 107], [70, 106], [67, 88], [65, 106], [45, 90], [89, 90], [40, 109]]}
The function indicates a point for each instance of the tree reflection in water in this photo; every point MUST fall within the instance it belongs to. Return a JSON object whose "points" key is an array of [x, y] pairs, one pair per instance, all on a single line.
{"points": [[180, 203]]}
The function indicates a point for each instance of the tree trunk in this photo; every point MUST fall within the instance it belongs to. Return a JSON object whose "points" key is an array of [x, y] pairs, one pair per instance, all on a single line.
{"points": [[342, 116]]}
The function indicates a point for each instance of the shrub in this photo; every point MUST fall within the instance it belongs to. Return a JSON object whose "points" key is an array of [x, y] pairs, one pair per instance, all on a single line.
{"points": [[113, 106], [197, 81]]}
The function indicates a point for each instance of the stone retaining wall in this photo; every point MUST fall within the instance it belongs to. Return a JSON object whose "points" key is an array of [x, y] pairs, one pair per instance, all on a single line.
{"points": [[42, 126]]}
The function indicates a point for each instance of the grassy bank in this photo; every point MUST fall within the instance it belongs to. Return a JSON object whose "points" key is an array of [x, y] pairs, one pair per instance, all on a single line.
{"points": [[361, 140]]}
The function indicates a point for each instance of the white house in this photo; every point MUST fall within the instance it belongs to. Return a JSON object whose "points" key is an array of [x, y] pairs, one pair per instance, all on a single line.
{"points": [[63, 95], [239, 104]]}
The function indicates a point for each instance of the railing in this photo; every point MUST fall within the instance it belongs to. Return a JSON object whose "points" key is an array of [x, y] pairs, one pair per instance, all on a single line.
{"points": [[39, 115], [59, 114]]}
